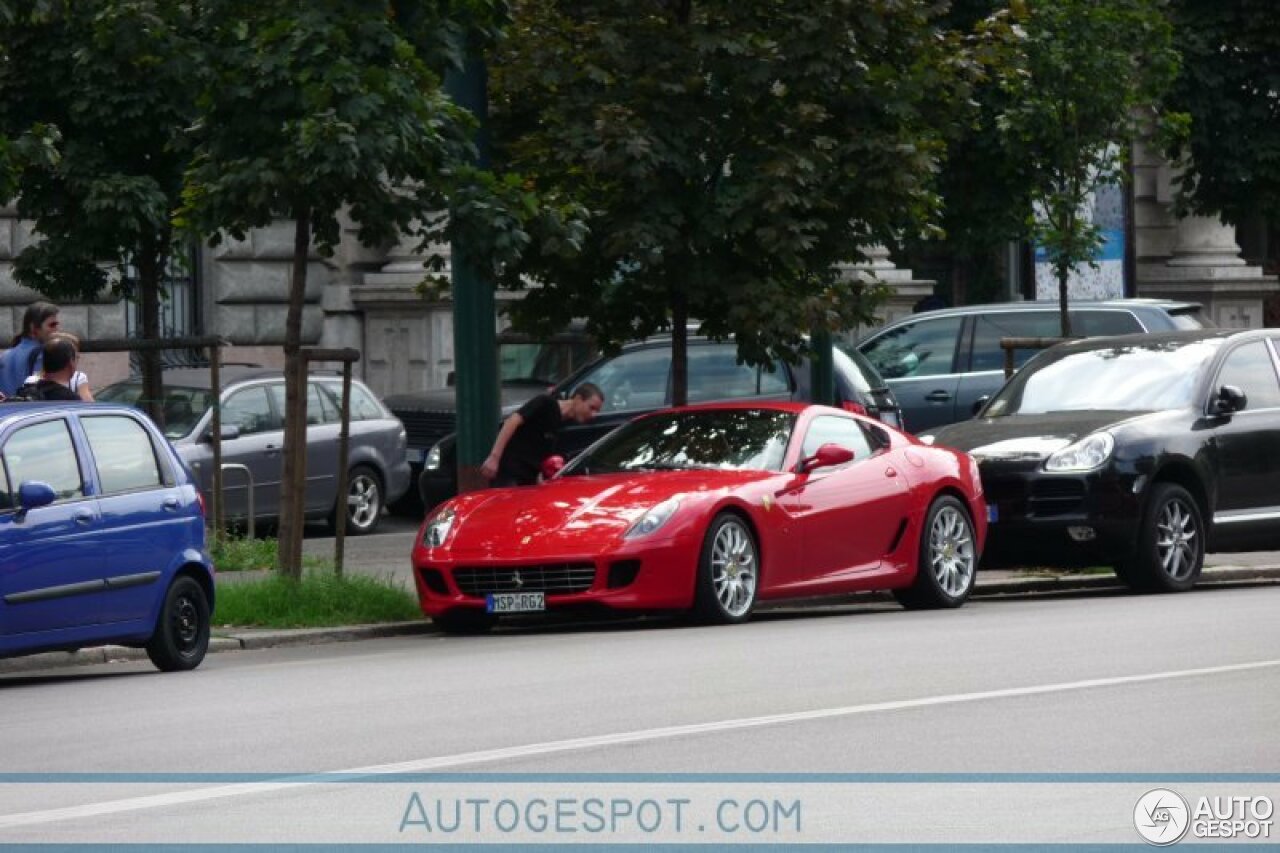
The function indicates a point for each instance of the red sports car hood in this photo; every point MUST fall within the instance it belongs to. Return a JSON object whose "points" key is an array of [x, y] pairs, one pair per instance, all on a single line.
{"points": [[576, 514]]}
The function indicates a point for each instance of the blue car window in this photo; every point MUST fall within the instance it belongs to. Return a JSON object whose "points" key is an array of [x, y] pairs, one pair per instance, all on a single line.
{"points": [[6, 499], [44, 452], [122, 453]]}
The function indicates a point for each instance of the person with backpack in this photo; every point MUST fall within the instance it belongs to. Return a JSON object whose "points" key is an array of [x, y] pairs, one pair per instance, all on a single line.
{"points": [[60, 356], [25, 353], [79, 382]]}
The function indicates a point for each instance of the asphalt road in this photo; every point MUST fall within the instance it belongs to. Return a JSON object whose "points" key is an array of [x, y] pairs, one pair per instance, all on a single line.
{"points": [[1123, 689]]}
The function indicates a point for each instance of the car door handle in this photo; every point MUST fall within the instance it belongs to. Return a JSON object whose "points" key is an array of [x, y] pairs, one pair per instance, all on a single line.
{"points": [[938, 396], [890, 472], [83, 517], [170, 503]]}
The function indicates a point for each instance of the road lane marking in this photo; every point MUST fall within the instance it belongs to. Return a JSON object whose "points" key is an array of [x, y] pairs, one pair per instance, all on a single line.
{"points": [[597, 741]]}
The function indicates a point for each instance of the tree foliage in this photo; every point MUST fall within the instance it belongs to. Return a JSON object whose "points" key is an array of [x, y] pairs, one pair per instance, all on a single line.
{"points": [[1089, 70], [1229, 85], [308, 111], [729, 154], [97, 95]]}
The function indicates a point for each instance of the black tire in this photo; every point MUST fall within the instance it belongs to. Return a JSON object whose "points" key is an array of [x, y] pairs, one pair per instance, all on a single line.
{"points": [[364, 502], [947, 561], [181, 637], [466, 621], [728, 572], [1170, 550]]}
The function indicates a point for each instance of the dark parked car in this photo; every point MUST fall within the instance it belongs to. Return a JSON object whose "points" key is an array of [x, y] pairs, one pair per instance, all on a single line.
{"points": [[638, 380], [101, 536], [527, 366], [1140, 452], [940, 363], [253, 437]]}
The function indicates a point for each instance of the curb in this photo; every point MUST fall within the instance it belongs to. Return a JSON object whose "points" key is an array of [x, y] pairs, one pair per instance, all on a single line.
{"points": [[249, 639]]}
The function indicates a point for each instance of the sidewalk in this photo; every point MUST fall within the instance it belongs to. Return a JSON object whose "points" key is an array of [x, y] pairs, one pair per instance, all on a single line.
{"points": [[992, 582]]}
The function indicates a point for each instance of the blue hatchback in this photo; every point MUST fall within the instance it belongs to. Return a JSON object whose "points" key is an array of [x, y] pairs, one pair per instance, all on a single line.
{"points": [[102, 536]]}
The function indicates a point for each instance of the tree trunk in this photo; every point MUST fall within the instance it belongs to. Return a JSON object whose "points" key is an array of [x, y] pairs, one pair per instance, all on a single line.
{"points": [[293, 474], [679, 349], [150, 264], [1064, 273]]}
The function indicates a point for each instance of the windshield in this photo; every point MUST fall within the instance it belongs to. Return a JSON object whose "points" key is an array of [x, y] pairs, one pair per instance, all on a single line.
{"points": [[183, 407], [1130, 378], [725, 439], [541, 363]]}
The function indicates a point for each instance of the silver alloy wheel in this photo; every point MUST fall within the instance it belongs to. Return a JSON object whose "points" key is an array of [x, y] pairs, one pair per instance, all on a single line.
{"points": [[733, 568], [951, 553], [364, 500], [1176, 540]]}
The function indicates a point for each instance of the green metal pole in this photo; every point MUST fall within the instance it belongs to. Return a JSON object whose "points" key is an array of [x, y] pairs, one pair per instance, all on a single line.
{"points": [[475, 345], [822, 369]]}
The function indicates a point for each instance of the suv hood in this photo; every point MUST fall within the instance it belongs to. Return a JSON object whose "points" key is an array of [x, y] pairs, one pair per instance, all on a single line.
{"points": [[1027, 436]]}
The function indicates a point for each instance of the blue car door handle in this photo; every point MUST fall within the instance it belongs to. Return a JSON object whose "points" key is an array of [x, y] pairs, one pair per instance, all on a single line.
{"points": [[170, 503], [938, 396], [83, 517]]}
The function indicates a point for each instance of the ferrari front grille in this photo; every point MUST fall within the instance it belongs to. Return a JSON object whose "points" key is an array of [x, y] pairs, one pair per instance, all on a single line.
{"points": [[545, 577]]}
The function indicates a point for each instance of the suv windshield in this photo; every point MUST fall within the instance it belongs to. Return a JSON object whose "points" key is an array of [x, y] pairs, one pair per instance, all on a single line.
{"points": [[727, 439], [1137, 377]]}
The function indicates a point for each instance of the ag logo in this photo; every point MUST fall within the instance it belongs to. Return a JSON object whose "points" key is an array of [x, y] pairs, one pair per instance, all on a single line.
{"points": [[1162, 817]]}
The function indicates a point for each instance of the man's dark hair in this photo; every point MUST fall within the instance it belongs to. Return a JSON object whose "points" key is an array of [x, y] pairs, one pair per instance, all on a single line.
{"points": [[588, 391], [59, 353], [36, 314]]}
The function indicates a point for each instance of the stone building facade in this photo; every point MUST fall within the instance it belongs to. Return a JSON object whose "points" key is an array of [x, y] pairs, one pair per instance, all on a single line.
{"points": [[370, 299]]}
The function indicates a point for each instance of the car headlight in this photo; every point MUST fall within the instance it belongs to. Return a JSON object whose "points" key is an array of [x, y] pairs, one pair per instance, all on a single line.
{"points": [[653, 519], [432, 462], [1086, 454], [439, 527]]}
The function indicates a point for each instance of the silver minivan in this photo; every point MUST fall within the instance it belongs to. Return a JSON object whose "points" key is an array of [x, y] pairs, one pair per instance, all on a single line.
{"points": [[253, 441], [940, 363]]}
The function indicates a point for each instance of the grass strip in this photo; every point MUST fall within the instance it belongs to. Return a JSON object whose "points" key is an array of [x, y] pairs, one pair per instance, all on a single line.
{"points": [[320, 599]]}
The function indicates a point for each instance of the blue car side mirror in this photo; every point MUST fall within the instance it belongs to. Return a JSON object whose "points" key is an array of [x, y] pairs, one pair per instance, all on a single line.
{"points": [[34, 493]]}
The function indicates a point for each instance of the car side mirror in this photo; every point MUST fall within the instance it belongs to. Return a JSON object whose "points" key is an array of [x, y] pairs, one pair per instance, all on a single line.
{"points": [[35, 493], [1230, 399], [979, 403], [552, 466], [828, 456], [230, 432]]}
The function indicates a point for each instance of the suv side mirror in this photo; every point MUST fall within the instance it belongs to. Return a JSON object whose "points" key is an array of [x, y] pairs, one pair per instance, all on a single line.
{"points": [[1230, 399], [979, 403], [828, 456]]}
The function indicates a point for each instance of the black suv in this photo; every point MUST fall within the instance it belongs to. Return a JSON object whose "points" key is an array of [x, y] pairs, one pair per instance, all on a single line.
{"points": [[638, 380]]}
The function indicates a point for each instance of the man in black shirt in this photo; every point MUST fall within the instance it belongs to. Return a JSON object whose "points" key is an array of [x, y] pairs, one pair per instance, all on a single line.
{"points": [[528, 435]]}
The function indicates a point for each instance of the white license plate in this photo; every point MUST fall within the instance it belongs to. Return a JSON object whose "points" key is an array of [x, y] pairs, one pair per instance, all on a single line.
{"points": [[515, 602]]}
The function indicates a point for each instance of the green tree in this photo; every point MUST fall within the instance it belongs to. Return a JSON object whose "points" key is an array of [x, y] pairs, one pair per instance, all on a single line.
{"points": [[1228, 85], [730, 155], [986, 195], [309, 110], [98, 95], [1091, 72]]}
